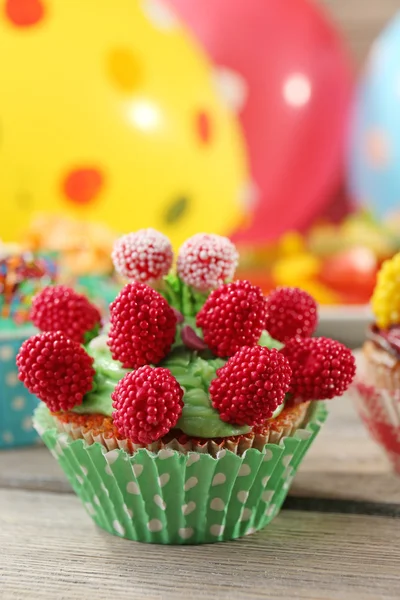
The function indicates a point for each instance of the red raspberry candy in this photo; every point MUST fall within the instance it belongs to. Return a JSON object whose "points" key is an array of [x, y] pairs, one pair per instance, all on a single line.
{"points": [[232, 316], [145, 255], [56, 369], [290, 312], [59, 308], [143, 326], [147, 404], [322, 368], [251, 386], [205, 261]]}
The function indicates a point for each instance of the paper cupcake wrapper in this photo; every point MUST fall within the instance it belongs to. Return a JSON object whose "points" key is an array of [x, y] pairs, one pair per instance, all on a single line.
{"points": [[16, 403], [173, 498], [236, 444], [379, 409]]}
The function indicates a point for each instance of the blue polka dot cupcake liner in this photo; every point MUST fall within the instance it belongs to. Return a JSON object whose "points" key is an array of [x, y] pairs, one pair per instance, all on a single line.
{"points": [[16, 403], [169, 497]]}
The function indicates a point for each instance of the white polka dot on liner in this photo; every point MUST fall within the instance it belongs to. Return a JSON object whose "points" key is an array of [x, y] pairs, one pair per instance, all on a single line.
{"points": [[128, 511], [154, 525], [79, 479], [63, 440], [90, 509], [190, 483], [242, 496], [163, 479], [217, 504], [118, 527], [165, 453], [286, 459], [188, 508], [267, 495], [193, 458], [287, 472], [217, 530], [133, 488], [246, 514], [112, 456], [265, 480], [270, 510], [96, 500], [218, 479], [105, 490], [268, 455], [244, 470], [186, 532], [137, 469], [159, 502]]}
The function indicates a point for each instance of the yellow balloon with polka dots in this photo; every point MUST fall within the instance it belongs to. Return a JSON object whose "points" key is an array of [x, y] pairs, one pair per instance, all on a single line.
{"points": [[110, 112]]}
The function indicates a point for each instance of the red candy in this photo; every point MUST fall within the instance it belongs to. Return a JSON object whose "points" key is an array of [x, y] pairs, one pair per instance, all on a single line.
{"points": [[59, 308], [290, 312], [251, 386], [205, 261], [322, 368], [56, 369], [233, 316], [145, 255], [147, 404], [143, 326]]}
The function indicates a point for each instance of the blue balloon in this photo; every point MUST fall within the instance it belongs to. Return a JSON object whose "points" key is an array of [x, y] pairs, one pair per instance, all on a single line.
{"points": [[374, 158]]}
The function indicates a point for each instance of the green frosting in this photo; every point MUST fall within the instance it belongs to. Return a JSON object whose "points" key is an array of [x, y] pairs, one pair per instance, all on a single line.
{"points": [[193, 370], [268, 342], [194, 374], [108, 373]]}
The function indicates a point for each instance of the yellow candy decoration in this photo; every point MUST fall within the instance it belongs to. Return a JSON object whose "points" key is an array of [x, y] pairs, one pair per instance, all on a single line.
{"points": [[386, 296], [109, 112]]}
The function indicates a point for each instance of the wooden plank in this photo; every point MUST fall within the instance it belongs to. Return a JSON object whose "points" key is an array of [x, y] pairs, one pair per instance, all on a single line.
{"points": [[55, 551], [343, 464]]}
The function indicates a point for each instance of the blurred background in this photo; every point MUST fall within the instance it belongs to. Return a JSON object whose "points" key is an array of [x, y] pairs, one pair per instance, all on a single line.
{"points": [[276, 123]]}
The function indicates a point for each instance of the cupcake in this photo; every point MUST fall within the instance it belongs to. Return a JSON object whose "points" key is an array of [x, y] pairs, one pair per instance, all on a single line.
{"points": [[21, 275], [186, 419], [377, 387]]}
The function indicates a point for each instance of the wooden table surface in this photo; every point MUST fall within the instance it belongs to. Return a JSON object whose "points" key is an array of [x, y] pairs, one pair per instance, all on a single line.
{"points": [[337, 537]]}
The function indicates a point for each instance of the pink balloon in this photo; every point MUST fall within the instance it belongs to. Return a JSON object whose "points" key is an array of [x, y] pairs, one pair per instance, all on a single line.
{"points": [[285, 63]]}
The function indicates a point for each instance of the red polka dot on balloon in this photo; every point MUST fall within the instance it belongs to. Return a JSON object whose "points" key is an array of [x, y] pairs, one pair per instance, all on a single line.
{"points": [[203, 127], [83, 185], [24, 13]]}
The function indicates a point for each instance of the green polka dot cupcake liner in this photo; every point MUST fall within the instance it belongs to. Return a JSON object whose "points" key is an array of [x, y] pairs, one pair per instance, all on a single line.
{"points": [[173, 498], [16, 403]]}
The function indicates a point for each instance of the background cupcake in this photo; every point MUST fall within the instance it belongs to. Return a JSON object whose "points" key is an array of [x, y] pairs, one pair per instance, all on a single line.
{"points": [[21, 275], [187, 420], [377, 387]]}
